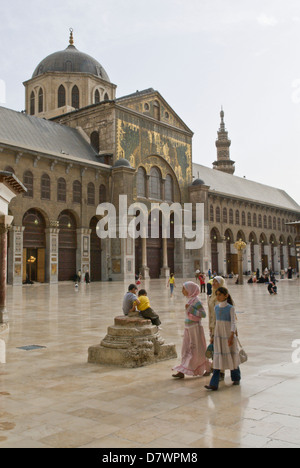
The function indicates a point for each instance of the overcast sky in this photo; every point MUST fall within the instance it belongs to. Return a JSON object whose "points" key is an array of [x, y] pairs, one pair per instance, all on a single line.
{"points": [[199, 54]]}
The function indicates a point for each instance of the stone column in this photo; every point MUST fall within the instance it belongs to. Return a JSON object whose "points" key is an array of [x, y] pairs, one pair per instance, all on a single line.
{"points": [[257, 258], [5, 222], [15, 256], [83, 250], [51, 273], [165, 270], [222, 258], [285, 256], [240, 246], [145, 269], [247, 266], [277, 259]]}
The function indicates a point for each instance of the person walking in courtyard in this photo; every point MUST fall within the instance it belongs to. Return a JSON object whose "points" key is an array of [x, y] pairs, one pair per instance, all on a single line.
{"points": [[226, 353], [87, 277], [171, 283], [202, 282], [193, 359], [217, 282]]}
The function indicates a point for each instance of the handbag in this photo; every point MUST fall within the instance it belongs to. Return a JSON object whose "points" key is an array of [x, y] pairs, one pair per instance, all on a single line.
{"points": [[210, 352], [242, 353]]}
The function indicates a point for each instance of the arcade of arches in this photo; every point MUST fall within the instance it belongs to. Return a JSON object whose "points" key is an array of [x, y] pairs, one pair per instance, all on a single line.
{"points": [[48, 252], [261, 252]]}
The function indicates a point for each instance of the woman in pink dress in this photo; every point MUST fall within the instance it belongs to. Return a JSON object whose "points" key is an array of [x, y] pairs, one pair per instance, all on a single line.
{"points": [[193, 359]]}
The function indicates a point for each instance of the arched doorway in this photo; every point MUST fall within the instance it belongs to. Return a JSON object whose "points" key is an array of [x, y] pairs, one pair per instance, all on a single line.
{"points": [[154, 247], [264, 257], [95, 262], [34, 245], [291, 252], [231, 259], [67, 245]]}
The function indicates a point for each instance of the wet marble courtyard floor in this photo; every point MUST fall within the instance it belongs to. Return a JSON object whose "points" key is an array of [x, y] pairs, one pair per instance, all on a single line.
{"points": [[51, 397]]}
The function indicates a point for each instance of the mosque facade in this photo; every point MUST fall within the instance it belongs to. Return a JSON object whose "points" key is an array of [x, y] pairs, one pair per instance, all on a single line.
{"points": [[77, 145]]}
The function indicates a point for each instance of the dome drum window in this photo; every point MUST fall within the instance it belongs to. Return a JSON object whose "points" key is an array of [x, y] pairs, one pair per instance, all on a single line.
{"points": [[75, 97], [61, 96]]}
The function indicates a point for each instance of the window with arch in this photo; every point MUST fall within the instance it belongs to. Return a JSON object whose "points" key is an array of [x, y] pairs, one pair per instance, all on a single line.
{"points": [[211, 213], [106, 97], [231, 216], [270, 222], [61, 190], [9, 169], [61, 96], [45, 187], [243, 218], [169, 188], [278, 224], [156, 110], [283, 225], [155, 183], [41, 100], [218, 214], [249, 219], [265, 222], [77, 191], [237, 217], [97, 96], [95, 141], [91, 194], [260, 221], [274, 223], [32, 103], [28, 182], [75, 97], [141, 182], [255, 220], [102, 194], [225, 217]]}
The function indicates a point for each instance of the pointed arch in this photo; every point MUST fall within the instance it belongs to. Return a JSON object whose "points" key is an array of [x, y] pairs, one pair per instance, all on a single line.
{"points": [[61, 96], [75, 97]]}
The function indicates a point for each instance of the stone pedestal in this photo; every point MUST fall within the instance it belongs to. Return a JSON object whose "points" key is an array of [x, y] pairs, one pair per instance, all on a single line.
{"points": [[131, 342]]}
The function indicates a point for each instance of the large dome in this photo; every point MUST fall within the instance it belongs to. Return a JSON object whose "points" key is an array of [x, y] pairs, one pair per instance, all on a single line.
{"points": [[70, 60]]}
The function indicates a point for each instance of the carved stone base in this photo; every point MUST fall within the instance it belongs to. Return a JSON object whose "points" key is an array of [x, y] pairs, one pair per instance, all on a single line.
{"points": [[131, 342]]}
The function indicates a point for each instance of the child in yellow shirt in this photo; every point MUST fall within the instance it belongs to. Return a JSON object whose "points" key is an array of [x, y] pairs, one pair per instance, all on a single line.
{"points": [[145, 309]]}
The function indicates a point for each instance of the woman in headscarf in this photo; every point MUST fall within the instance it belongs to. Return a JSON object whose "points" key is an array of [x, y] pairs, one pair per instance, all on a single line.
{"points": [[193, 359]]}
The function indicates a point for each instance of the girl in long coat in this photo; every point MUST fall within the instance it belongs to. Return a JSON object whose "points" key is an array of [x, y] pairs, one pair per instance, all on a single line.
{"points": [[193, 359]]}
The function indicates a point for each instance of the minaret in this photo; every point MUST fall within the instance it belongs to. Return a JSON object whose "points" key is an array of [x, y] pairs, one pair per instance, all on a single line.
{"points": [[223, 163]]}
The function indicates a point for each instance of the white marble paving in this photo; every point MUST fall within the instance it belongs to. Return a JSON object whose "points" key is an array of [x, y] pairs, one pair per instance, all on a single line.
{"points": [[52, 397]]}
